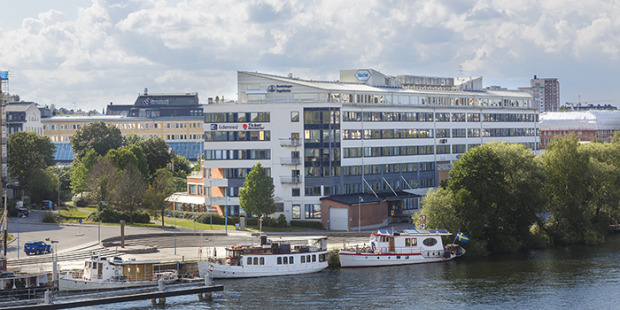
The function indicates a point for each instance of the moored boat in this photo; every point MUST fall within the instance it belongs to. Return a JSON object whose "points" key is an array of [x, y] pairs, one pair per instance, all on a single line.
{"points": [[273, 257], [15, 284], [101, 273], [390, 248]]}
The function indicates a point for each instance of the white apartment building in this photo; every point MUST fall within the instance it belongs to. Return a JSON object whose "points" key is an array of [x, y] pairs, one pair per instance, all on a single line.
{"points": [[366, 133]]}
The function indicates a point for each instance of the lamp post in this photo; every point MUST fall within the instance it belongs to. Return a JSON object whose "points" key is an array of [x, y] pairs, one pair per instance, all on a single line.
{"points": [[226, 214], [54, 260], [99, 220], [18, 216], [174, 213], [359, 213]]}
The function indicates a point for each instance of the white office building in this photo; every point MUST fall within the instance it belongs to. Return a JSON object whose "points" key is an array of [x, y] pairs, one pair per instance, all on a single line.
{"points": [[367, 133]]}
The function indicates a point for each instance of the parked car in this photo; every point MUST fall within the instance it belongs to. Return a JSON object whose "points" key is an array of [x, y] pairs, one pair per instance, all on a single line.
{"points": [[37, 247], [46, 204], [22, 212]]}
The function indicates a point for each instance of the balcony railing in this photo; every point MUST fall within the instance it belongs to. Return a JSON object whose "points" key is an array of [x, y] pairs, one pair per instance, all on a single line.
{"points": [[290, 180], [290, 142], [290, 161]]}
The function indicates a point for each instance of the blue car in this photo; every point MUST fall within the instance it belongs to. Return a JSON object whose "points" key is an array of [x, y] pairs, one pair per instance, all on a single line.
{"points": [[37, 247]]}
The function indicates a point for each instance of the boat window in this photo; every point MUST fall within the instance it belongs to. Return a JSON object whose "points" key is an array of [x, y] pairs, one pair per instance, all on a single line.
{"points": [[407, 242], [321, 257], [262, 260], [308, 258], [303, 259], [255, 260], [285, 260], [314, 258], [414, 241], [279, 260], [291, 260], [429, 241], [249, 261]]}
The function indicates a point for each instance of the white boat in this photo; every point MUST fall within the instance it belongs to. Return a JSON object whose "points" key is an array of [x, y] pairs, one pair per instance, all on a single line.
{"points": [[273, 257], [101, 273], [15, 284], [390, 248]]}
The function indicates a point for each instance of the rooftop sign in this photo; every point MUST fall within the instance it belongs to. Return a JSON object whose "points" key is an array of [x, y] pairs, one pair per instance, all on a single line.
{"points": [[362, 75]]}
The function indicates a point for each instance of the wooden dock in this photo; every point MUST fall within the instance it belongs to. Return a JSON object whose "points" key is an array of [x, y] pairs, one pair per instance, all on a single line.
{"points": [[156, 295]]}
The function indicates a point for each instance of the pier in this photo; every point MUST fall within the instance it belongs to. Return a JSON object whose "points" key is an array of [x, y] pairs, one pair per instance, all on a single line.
{"points": [[156, 294]]}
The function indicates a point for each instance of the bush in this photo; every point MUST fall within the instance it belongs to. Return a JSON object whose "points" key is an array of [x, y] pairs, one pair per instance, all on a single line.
{"points": [[282, 221], [111, 215], [311, 224], [48, 217]]}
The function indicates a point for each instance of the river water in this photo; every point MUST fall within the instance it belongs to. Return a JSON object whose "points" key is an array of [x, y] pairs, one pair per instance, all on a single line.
{"points": [[575, 277]]}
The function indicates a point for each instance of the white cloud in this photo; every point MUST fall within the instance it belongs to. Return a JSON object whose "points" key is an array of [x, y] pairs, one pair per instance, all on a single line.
{"points": [[110, 50]]}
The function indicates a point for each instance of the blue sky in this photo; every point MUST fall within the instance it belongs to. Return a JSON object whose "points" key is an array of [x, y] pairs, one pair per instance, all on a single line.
{"points": [[87, 53]]}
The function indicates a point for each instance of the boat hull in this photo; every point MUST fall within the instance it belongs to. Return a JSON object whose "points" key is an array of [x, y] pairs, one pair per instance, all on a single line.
{"points": [[67, 283], [350, 259], [218, 271]]}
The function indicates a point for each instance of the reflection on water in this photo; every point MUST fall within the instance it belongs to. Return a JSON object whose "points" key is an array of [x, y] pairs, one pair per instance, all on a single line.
{"points": [[570, 277]]}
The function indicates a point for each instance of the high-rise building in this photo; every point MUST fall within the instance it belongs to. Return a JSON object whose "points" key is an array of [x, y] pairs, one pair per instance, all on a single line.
{"points": [[545, 93]]}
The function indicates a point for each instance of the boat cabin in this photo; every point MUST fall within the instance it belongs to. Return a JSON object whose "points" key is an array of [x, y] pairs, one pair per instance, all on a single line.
{"points": [[116, 269], [407, 241]]}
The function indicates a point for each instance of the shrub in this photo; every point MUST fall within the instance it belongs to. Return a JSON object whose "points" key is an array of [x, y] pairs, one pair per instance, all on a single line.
{"points": [[311, 224], [48, 217], [282, 221]]}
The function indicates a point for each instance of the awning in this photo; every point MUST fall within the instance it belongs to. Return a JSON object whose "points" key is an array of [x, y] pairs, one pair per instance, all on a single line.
{"points": [[184, 198]]}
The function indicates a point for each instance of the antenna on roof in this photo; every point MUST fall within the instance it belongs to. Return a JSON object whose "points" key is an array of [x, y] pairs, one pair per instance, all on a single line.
{"points": [[146, 91]]}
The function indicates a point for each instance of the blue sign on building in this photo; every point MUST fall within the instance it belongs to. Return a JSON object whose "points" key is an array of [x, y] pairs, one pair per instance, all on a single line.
{"points": [[4, 75], [362, 75]]}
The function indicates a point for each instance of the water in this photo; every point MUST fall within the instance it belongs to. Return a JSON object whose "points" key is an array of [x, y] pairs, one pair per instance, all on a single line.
{"points": [[568, 277]]}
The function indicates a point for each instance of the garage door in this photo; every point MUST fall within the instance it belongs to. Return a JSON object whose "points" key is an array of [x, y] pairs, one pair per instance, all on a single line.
{"points": [[338, 218]]}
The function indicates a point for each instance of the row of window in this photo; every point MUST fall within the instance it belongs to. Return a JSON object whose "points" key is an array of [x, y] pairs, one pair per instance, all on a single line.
{"points": [[185, 137], [238, 136], [312, 211], [379, 186], [353, 116], [167, 125], [369, 134], [388, 168], [241, 173], [257, 117], [383, 98], [380, 151], [238, 154]]}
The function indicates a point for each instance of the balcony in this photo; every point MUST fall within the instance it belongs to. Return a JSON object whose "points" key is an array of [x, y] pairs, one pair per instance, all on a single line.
{"points": [[290, 180], [290, 142], [290, 161]]}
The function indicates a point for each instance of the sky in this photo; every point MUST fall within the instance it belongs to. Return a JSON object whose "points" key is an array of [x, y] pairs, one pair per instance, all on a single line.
{"points": [[84, 54]]}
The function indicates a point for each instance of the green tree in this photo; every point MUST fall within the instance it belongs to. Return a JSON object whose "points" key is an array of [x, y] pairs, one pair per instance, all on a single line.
{"points": [[160, 188], [80, 170], [95, 136], [132, 154], [29, 155], [101, 180], [129, 189], [256, 196], [156, 151], [182, 166], [567, 189]]}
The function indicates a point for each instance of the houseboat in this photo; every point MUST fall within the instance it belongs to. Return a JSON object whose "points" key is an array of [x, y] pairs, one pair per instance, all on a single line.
{"points": [[101, 273], [274, 257], [15, 284], [390, 248]]}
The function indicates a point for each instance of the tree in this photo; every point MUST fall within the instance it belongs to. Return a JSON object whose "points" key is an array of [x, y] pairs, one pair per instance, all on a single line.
{"points": [[256, 196], [101, 180], [160, 188], [155, 150], [132, 154], [95, 136], [80, 170], [129, 189], [182, 166], [29, 155], [567, 189]]}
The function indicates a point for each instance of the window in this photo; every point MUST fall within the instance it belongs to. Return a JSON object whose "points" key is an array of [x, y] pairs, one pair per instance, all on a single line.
{"points": [[294, 116], [295, 192], [291, 260], [296, 211], [249, 261], [262, 260], [255, 260], [303, 259], [429, 241], [313, 211], [285, 259], [279, 260]]}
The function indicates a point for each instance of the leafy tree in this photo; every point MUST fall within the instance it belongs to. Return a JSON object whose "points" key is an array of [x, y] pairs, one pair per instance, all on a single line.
{"points": [[156, 151], [160, 188], [493, 194], [28, 156], [101, 180], [133, 155], [567, 189], [256, 196], [80, 169], [129, 189], [96, 136], [182, 166]]}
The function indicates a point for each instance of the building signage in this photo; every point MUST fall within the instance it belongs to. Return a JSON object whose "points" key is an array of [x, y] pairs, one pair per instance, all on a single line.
{"points": [[248, 126], [148, 101], [282, 88], [362, 75]]}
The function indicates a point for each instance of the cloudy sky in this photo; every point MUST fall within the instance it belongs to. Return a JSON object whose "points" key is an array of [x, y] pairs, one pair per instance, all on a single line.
{"points": [[86, 53]]}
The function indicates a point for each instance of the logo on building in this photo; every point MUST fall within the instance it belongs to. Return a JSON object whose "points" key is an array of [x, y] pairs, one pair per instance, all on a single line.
{"points": [[146, 101], [282, 88], [271, 88], [362, 75], [213, 126], [253, 126]]}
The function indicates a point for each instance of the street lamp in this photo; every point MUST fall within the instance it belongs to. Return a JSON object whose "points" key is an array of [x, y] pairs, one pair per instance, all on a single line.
{"points": [[359, 213], [54, 259], [99, 220], [226, 214], [174, 213]]}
